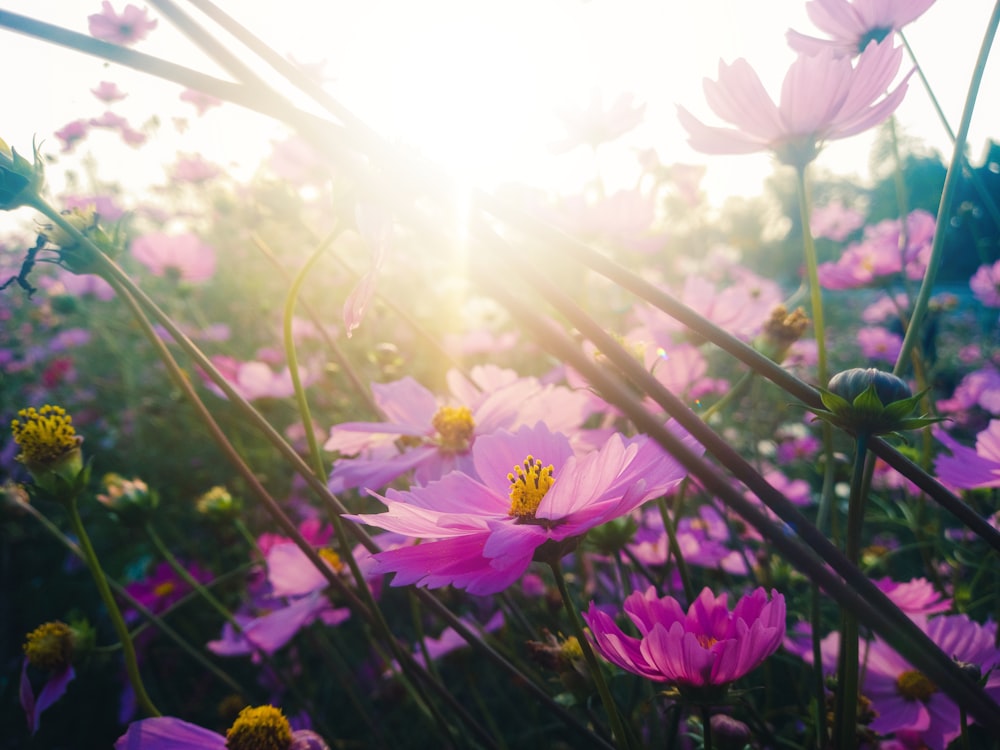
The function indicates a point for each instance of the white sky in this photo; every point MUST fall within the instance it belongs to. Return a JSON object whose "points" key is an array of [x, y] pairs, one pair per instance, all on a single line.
{"points": [[475, 83]]}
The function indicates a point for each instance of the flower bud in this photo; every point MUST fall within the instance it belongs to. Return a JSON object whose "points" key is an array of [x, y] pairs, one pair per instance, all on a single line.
{"points": [[20, 179], [219, 505], [50, 646], [81, 219], [870, 402], [729, 733], [129, 500]]}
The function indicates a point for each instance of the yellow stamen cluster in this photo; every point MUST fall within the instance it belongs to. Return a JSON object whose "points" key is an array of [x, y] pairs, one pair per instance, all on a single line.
{"points": [[50, 646], [706, 641], [454, 426], [571, 649], [332, 559], [44, 435], [218, 503], [528, 484], [260, 728], [915, 686], [166, 588]]}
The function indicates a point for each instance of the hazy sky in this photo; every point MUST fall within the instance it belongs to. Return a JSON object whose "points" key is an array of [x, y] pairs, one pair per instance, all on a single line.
{"points": [[475, 83]]}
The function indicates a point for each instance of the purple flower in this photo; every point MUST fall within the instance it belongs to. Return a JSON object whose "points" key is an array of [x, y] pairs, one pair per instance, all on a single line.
{"points": [[255, 728], [53, 690], [431, 438], [966, 468], [915, 597], [481, 534], [823, 98], [72, 133], [904, 699], [255, 379], [184, 254], [852, 24], [980, 388], [708, 646], [130, 26], [985, 284], [879, 344]]}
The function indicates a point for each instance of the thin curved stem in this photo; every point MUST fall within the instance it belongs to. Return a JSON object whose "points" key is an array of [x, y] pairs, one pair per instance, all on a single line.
{"points": [[948, 192], [128, 648]]}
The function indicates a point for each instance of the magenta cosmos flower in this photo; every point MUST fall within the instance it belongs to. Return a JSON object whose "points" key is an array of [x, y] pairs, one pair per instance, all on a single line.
{"points": [[823, 98], [852, 24], [985, 284], [481, 534], [707, 647], [128, 27]]}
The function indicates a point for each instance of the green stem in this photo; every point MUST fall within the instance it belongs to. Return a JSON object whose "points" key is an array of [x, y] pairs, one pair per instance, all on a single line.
{"points": [[617, 724], [189, 579], [706, 727], [673, 545], [812, 266], [848, 679], [951, 181], [128, 649]]}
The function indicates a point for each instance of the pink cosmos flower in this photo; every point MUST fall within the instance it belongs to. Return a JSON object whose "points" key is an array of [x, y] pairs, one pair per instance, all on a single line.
{"points": [[852, 24], [104, 206], [481, 534], [980, 388], [708, 646], [878, 254], [915, 597], [905, 700], [985, 284], [72, 133], [201, 101], [823, 98], [184, 254], [966, 468], [255, 379], [163, 587], [193, 168], [835, 221], [130, 26], [432, 438], [595, 124], [879, 344], [108, 91]]}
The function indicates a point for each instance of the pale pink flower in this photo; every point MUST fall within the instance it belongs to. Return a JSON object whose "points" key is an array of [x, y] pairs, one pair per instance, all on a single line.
{"points": [[254, 379], [193, 168], [985, 284], [72, 133], [823, 98], [184, 254], [852, 24], [108, 91], [126, 28], [595, 124], [201, 101], [835, 221]]}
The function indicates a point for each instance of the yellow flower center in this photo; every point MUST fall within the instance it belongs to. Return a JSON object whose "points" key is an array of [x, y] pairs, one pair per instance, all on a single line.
{"points": [[50, 646], [571, 649], [260, 728], [44, 435], [706, 641], [914, 686], [528, 484], [164, 589], [454, 425], [332, 559]]}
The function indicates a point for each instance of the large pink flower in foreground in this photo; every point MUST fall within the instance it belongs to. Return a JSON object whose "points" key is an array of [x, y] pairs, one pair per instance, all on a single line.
{"points": [[823, 98], [481, 534], [707, 646], [852, 24]]}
